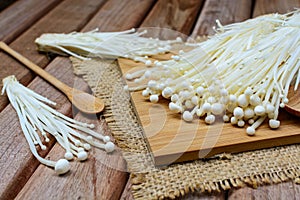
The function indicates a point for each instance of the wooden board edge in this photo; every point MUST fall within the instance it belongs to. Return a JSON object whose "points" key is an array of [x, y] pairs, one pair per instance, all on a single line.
{"points": [[162, 160]]}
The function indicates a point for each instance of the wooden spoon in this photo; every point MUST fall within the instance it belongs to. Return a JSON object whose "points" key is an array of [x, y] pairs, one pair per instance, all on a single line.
{"points": [[83, 101], [293, 106]]}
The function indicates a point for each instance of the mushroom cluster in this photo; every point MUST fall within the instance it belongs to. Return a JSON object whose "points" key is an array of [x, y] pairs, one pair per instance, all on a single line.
{"points": [[37, 119], [107, 45], [242, 73]]}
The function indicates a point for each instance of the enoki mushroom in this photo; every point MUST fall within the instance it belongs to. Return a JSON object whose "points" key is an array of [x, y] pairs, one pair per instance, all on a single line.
{"points": [[241, 74], [126, 44], [37, 119]]}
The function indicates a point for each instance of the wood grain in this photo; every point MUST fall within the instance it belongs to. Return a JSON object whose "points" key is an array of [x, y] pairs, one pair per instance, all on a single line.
{"points": [[100, 177], [21, 15], [287, 190], [212, 196], [127, 193], [293, 105], [226, 11], [176, 15], [173, 140], [118, 15], [273, 6], [68, 16]]}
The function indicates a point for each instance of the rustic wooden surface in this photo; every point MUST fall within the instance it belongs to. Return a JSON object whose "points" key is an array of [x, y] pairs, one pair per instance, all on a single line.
{"points": [[14, 24], [102, 176], [226, 11]]}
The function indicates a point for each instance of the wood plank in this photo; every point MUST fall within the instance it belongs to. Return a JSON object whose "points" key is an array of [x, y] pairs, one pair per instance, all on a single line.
{"points": [[22, 14], [226, 11], [16, 161], [111, 176], [127, 193], [273, 6], [176, 15], [118, 15], [68, 16], [204, 196], [286, 190], [100, 177], [297, 190]]}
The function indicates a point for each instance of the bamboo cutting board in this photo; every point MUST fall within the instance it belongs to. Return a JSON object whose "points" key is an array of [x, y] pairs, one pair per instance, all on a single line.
{"points": [[171, 139]]}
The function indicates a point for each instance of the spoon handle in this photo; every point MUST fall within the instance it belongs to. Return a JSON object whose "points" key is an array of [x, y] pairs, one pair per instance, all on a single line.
{"points": [[51, 79]]}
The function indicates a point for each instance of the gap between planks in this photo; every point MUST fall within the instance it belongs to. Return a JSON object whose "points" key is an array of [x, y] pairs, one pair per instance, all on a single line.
{"points": [[12, 23]]}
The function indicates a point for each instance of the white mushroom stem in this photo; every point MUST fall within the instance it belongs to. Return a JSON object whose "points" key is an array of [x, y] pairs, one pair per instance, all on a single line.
{"points": [[126, 44], [253, 127], [37, 118], [62, 166]]}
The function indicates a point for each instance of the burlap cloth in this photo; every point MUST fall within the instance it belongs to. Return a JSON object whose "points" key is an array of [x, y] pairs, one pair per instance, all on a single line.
{"points": [[254, 168]]}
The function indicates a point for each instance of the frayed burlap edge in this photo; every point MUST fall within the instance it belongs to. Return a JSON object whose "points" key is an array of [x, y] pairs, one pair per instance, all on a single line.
{"points": [[254, 168]]}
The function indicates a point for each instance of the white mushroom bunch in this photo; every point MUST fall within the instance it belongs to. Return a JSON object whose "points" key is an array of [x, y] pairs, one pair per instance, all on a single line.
{"points": [[111, 45], [37, 119], [241, 74]]}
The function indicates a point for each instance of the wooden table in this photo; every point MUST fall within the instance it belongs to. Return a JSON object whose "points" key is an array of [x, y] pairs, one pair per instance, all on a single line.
{"points": [[102, 176]]}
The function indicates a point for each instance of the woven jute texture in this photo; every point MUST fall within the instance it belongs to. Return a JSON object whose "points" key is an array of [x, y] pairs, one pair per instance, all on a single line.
{"points": [[254, 168]]}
